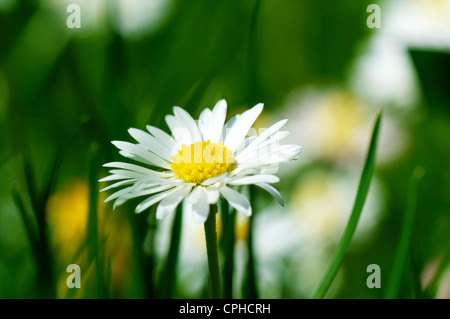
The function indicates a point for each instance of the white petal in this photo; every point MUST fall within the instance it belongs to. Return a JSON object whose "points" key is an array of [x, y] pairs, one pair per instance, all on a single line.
{"points": [[263, 137], [137, 168], [133, 174], [152, 189], [267, 156], [285, 153], [213, 195], [140, 192], [135, 157], [280, 135], [265, 147], [162, 136], [246, 142], [183, 127], [254, 179], [272, 142], [140, 151], [236, 200], [123, 191], [215, 124], [180, 134], [204, 121], [185, 120], [112, 178], [269, 169], [272, 190], [222, 177], [121, 183], [168, 204], [154, 199], [151, 143], [228, 125], [238, 131], [198, 202], [292, 151]]}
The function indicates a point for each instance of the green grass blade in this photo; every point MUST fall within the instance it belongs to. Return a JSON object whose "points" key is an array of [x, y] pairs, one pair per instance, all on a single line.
{"points": [[212, 253], [227, 243], [225, 215], [50, 182], [27, 222], [415, 276], [143, 271], [92, 223], [168, 279], [361, 195], [108, 283], [251, 288], [31, 183], [403, 250], [149, 257], [51, 176], [39, 234]]}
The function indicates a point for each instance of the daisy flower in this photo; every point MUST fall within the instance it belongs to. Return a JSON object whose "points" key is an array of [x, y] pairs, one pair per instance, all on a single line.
{"points": [[199, 162]]}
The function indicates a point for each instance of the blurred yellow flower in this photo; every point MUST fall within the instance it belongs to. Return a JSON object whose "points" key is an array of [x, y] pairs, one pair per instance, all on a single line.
{"points": [[67, 217]]}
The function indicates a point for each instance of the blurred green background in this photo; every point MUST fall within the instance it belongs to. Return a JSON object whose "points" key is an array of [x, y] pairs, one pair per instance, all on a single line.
{"points": [[65, 93]]}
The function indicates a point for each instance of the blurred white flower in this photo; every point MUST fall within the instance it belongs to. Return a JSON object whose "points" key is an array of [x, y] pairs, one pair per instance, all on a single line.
{"points": [[384, 72], [322, 203], [298, 241], [418, 23], [139, 17], [336, 126]]}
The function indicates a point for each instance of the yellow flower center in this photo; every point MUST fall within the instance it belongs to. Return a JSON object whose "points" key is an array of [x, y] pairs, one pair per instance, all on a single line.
{"points": [[202, 160]]}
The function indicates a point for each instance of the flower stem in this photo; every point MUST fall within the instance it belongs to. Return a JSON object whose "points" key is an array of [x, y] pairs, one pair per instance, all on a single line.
{"points": [[212, 253]]}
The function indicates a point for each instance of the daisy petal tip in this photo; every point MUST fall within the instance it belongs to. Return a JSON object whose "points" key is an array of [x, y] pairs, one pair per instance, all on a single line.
{"points": [[116, 143], [222, 103], [161, 212], [259, 107], [177, 109], [132, 130], [199, 218], [168, 118], [279, 199]]}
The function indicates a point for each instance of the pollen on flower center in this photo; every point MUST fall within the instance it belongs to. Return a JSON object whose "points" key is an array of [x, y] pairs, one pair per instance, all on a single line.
{"points": [[202, 160]]}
